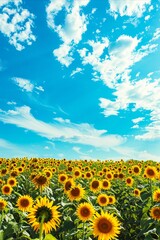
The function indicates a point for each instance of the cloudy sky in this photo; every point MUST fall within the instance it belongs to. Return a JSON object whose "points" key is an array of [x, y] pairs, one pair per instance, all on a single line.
{"points": [[80, 79]]}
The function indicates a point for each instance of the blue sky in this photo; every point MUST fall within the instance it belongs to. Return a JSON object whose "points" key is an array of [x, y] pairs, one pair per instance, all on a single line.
{"points": [[80, 79]]}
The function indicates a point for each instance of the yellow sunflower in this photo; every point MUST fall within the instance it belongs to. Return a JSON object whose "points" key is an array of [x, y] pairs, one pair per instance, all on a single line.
{"points": [[68, 185], [102, 199], [150, 172], [43, 212], [105, 226], [156, 195], [76, 193], [155, 213], [3, 204], [12, 181], [95, 185], [111, 199], [40, 181], [106, 184], [137, 192], [85, 211], [24, 203], [136, 170], [6, 189], [62, 178], [129, 181]]}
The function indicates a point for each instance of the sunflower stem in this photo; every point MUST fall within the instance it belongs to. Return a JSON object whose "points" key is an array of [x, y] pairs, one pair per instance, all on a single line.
{"points": [[151, 190], [41, 227], [83, 236]]}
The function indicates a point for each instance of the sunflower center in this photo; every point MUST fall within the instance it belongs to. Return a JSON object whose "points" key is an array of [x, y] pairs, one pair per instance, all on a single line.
{"points": [[24, 202], [1, 205], [68, 185], [44, 211], [103, 199], [157, 212], [85, 212], [75, 192], [6, 189], [128, 180], [136, 170], [41, 180], [105, 184], [158, 196], [95, 184], [63, 178], [150, 172], [11, 182], [77, 173], [104, 225]]}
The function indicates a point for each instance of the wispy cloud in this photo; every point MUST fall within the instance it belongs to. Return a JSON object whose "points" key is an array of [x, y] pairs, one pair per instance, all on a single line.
{"points": [[83, 133], [26, 84], [77, 70], [71, 30], [16, 23]]}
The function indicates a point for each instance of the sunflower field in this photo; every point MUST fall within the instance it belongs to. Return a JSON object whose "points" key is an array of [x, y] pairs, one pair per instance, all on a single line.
{"points": [[49, 199]]}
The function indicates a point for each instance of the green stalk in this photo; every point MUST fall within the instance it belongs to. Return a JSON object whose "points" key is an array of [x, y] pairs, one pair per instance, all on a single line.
{"points": [[83, 236], [41, 228], [151, 191]]}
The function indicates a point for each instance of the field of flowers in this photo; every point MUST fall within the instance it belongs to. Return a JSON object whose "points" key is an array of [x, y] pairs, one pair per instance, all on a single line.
{"points": [[49, 199]]}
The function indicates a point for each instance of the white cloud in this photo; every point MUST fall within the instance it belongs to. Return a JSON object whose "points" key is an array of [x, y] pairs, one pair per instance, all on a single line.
{"points": [[6, 144], [116, 65], [11, 103], [16, 23], [40, 88], [156, 34], [135, 126], [83, 133], [143, 95], [77, 70], [71, 31], [137, 120], [26, 85], [128, 7]]}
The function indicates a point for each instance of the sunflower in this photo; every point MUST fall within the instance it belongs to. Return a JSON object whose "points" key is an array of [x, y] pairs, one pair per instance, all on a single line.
{"points": [[62, 178], [129, 181], [48, 173], [109, 176], [6, 189], [3, 204], [136, 170], [95, 185], [155, 213], [76, 193], [106, 184], [40, 181], [137, 192], [102, 199], [156, 195], [111, 199], [68, 185], [77, 173], [150, 172], [43, 212], [12, 181], [105, 226], [85, 211], [24, 203]]}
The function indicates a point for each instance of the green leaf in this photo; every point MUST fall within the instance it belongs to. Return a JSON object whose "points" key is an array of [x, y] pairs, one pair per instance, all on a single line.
{"points": [[1, 234], [50, 237]]}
